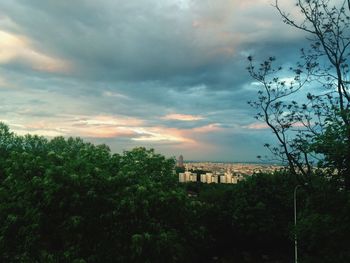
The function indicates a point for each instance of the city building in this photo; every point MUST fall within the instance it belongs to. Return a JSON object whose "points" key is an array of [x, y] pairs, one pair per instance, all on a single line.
{"points": [[180, 161], [224, 173]]}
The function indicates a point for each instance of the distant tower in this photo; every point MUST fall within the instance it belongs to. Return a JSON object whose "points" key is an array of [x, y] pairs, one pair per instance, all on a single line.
{"points": [[180, 161]]}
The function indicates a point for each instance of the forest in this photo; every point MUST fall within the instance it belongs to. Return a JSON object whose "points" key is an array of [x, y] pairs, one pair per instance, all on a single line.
{"points": [[66, 200]]}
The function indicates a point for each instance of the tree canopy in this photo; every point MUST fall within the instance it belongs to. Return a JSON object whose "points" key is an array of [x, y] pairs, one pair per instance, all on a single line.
{"points": [[66, 200]]}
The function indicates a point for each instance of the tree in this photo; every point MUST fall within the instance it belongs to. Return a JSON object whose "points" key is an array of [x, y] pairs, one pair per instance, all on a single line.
{"points": [[66, 200], [319, 128]]}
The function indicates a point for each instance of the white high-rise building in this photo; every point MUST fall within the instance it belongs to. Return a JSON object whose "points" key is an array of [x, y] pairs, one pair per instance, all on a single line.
{"points": [[209, 177], [193, 177], [223, 179], [234, 180], [187, 177], [228, 178], [181, 177], [209, 180]]}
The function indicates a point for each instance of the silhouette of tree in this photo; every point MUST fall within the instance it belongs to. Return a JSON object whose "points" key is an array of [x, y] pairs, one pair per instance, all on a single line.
{"points": [[319, 127]]}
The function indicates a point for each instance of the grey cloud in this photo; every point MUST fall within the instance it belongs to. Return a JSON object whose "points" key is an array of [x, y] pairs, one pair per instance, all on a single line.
{"points": [[145, 59], [143, 40]]}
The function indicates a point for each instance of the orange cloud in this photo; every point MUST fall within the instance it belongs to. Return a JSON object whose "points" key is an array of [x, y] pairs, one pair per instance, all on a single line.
{"points": [[257, 126], [176, 135], [105, 132], [182, 117], [19, 48], [161, 134], [111, 126], [104, 120], [207, 128], [103, 126], [261, 125], [100, 126]]}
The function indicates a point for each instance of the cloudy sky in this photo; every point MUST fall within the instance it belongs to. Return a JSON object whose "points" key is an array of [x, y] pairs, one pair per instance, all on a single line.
{"points": [[166, 74]]}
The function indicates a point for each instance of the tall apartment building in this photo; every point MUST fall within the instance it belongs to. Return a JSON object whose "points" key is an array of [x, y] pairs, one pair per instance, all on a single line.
{"points": [[226, 178], [180, 161]]}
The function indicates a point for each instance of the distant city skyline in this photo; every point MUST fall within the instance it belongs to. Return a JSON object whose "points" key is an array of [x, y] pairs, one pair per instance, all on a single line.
{"points": [[168, 75]]}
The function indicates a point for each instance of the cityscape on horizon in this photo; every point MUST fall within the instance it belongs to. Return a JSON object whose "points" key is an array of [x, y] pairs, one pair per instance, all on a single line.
{"points": [[219, 172]]}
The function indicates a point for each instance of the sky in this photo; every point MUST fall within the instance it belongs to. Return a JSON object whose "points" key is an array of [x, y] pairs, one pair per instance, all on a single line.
{"points": [[164, 74]]}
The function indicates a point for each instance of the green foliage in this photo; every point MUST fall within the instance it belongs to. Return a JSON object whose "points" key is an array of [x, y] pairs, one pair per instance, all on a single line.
{"points": [[251, 221], [323, 223], [334, 144], [179, 169], [65, 200]]}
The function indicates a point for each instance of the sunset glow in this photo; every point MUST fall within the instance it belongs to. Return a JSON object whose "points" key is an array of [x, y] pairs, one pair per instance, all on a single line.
{"points": [[170, 75]]}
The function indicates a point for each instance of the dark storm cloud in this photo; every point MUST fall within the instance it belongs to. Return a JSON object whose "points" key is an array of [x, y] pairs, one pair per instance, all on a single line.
{"points": [[147, 40], [115, 61], [112, 39]]}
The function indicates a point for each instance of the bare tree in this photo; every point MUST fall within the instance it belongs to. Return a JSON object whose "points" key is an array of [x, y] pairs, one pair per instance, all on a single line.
{"points": [[319, 127]]}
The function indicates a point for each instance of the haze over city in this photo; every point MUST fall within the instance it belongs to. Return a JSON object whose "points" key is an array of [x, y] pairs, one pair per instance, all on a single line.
{"points": [[167, 74]]}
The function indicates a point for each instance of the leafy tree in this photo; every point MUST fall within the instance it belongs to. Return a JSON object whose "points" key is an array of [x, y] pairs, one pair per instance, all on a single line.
{"points": [[66, 200], [323, 227]]}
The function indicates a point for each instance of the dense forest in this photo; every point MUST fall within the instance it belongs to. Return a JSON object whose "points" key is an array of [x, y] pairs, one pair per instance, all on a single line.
{"points": [[66, 200]]}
